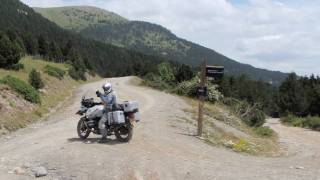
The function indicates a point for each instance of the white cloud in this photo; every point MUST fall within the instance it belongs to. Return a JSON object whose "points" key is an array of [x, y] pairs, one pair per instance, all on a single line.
{"points": [[274, 34]]}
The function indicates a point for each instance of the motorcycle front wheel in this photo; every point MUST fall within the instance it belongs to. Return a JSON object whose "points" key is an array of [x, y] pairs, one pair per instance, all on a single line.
{"points": [[82, 129], [123, 133]]}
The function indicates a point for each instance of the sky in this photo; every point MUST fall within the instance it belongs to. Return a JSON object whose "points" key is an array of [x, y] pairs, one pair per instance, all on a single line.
{"points": [[279, 35]]}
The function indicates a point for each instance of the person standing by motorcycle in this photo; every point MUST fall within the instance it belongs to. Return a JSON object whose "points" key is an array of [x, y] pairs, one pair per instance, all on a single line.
{"points": [[108, 99]]}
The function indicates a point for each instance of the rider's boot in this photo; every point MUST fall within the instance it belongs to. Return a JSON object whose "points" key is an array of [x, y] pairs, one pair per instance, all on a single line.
{"points": [[104, 134]]}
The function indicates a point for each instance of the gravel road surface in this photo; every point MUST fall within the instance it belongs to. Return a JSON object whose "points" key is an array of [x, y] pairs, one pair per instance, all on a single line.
{"points": [[161, 148]]}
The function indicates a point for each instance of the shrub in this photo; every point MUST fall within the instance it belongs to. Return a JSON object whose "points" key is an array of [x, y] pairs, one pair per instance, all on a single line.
{"points": [[264, 131], [35, 79], [76, 75], [189, 88], [250, 114], [155, 81], [17, 67], [256, 118], [26, 90], [312, 123], [54, 71], [165, 71], [307, 122], [241, 146], [294, 121]]}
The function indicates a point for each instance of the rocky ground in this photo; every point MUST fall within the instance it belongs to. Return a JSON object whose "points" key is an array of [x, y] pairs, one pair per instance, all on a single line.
{"points": [[161, 148]]}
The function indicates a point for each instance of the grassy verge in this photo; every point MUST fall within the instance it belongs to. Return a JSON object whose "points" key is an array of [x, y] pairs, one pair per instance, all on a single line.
{"points": [[224, 127], [56, 90], [234, 133]]}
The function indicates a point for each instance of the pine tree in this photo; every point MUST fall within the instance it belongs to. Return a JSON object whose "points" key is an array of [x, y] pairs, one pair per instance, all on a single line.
{"points": [[30, 44], [292, 96], [35, 79], [55, 53], [43, 48], [10, 53], [184, 73]]}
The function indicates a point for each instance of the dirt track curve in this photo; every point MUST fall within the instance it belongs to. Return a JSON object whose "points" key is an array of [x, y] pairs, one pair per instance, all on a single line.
{"points": [[161, 147]]}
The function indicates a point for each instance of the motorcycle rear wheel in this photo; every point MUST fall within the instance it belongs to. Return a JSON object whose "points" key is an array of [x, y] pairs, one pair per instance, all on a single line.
{"points": [[123, 134], [82, 130]]}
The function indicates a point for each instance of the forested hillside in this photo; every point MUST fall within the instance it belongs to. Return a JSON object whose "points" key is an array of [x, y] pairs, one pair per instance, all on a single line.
{"points": [[148, 38], [36, 35]]}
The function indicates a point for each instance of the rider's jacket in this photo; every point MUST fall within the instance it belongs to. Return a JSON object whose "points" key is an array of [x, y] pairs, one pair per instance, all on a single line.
{"points": [[110, 99]]}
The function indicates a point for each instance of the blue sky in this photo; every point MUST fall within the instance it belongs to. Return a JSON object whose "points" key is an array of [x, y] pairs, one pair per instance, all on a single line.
{"points": [[274, 34]]}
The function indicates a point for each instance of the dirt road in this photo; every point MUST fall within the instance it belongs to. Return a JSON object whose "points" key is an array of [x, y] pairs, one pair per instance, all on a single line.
{"points": [[162, 148]]}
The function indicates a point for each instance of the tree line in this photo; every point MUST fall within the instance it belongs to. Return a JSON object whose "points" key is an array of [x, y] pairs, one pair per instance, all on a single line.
{"points": [[13, 46], [299, 96]]}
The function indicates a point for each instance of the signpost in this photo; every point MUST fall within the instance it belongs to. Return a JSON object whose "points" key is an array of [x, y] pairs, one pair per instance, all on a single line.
{"points": [[202, 86], [215, 72]]}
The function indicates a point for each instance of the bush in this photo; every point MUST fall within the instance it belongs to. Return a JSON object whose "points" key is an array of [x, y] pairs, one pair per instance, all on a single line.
{"points": [[294, 121], [16, 67], [241, 146], [76, 75], [264, 131], [26, 90], [256, 118], [35, 79], [189, 88], [156, 82], [251, 115], [313, 123], [308, 122], [54, 71], [165, 71]]}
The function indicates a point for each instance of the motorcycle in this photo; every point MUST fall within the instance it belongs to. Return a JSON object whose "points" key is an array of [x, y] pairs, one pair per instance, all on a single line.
{"points": [[120, 122]]}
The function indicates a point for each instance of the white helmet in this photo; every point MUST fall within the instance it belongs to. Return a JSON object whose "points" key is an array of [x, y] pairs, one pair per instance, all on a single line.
{"points": [[107, 87]]}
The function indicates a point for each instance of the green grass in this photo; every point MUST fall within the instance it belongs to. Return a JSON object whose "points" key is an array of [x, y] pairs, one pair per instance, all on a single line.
{"points": [[29, 63], [55, 91], [264, 131]]}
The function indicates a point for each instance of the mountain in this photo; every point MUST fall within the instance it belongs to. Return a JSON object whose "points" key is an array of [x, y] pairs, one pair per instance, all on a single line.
{"points": [[77, 18], [107, 60], [147, 38]]}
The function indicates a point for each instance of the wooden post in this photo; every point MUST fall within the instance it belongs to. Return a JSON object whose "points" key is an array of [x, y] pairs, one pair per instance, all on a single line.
{"points": [[202, 98]]}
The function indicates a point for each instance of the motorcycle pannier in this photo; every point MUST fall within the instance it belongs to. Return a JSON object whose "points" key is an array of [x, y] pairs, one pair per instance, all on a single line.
{"points": [[131, 106], [116, 117]]}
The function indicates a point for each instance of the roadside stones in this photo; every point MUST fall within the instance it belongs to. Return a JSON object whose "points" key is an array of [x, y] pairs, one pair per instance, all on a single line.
{"points": [[26, 165], [40, 171], [297, 167], [19, 171], [229, 144]]}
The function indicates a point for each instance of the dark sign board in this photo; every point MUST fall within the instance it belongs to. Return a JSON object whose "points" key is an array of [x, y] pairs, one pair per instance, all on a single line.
{"points": [[202, 91], [215, 71]]}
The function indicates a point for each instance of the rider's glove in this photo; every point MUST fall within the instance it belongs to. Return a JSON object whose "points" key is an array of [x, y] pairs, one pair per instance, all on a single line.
{"points": [[98, 93]]}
